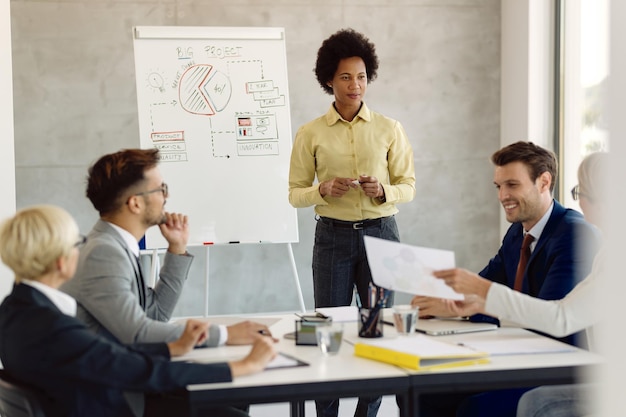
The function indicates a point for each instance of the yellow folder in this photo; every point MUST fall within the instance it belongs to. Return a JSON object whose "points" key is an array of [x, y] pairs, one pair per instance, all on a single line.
{"points": [[420, 353]]}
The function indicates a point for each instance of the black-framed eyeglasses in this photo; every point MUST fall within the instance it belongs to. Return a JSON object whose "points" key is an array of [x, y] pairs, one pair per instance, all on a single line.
{"points": [[576, 194], [82, 239], [163, 188]]}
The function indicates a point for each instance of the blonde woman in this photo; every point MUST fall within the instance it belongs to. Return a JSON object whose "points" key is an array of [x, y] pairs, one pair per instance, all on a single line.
{"points": [[77, 372]]}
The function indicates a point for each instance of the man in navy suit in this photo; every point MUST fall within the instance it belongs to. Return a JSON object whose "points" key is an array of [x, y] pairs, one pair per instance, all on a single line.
{"points": [[564, 244], [561, 253]]}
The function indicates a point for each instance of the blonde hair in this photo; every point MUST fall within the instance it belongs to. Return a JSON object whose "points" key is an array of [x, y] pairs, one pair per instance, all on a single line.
{"points": [[35, 238], [593, 176]]}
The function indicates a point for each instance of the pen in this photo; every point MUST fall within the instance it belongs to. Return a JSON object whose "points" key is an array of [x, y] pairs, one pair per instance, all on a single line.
{"points": [[317, 317], [264, 333], [372, 295], [383, 300], [357, 299]]}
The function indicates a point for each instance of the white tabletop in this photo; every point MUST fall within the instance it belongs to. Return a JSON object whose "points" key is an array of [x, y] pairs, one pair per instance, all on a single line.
{"points": [[345, 375], [342, 366]]}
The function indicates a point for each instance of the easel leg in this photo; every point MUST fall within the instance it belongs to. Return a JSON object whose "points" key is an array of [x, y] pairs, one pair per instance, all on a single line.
{"points": [[206, 282], [295, 275]]}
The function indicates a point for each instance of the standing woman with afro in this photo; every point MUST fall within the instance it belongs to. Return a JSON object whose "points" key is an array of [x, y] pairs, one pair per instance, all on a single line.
{"points": [[363, 162]]}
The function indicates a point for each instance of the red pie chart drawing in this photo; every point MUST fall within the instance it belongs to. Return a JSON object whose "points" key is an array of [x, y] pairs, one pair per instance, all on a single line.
{"points": [[204, 90]]}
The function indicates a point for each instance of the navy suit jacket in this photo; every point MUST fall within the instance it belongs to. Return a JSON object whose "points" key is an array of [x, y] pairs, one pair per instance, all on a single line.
{"points": [[562, 257], [79, 373]]}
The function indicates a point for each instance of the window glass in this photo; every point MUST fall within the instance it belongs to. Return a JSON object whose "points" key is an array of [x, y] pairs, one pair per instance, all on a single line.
{"points": [[585, 47]]}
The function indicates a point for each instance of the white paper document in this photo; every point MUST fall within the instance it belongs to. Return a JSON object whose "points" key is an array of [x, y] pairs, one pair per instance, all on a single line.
{"points": [[400, 267], [340, 314], [518, 345]]}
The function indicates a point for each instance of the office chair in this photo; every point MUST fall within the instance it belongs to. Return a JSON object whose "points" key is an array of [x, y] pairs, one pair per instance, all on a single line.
{"points": [[17, 400]]}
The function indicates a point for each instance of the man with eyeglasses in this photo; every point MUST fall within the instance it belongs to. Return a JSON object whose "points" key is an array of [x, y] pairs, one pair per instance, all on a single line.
{"points": [[128, 191], [561, 249]]}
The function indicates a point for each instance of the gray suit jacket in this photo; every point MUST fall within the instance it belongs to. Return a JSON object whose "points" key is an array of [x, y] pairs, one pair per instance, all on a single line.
{"points": [[106, 288]]}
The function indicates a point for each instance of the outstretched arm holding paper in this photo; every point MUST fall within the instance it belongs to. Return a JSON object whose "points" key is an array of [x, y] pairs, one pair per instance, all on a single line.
{"points": [[462, 281]]}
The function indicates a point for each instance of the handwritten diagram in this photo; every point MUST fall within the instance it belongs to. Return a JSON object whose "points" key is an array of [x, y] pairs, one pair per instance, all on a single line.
{"points": [[215, 102], [225, 88], [203, 90]]}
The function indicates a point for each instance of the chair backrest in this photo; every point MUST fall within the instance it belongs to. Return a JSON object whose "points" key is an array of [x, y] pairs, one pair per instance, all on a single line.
{"points": [[17, 400]]}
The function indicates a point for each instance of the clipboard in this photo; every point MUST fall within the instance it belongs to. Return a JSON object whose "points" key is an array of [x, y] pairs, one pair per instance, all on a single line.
{"points": [[282, 360]]}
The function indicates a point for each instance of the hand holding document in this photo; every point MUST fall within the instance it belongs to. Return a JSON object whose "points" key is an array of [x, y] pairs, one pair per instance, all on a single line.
{"points": [[400, 267]]}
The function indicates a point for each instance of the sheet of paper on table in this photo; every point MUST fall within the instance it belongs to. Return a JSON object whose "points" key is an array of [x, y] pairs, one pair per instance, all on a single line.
{"points": [[340, 314], [516, 345]]}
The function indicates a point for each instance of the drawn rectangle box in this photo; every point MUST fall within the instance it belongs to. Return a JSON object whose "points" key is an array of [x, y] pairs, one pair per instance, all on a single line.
{"points": [[256, 86], [273, 102], [171, 146], [173, 157], [266, 95], [167, 136], [257, 148]]}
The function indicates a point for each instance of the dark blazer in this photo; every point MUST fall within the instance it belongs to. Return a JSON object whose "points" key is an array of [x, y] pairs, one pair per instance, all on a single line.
{"points": [[562, 257], [78, 372]]}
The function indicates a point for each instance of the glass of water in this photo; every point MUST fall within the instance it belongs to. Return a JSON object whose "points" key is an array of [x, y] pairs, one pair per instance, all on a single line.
{"points": [[405, 318], [329, 337]]}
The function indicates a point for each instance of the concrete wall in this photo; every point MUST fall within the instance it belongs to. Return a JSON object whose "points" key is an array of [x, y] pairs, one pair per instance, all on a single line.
{"points": [[7, 160], [75, 99]]}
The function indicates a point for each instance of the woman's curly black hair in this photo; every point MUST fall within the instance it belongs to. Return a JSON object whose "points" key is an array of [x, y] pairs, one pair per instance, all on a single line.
{"points": [[345, 43]]}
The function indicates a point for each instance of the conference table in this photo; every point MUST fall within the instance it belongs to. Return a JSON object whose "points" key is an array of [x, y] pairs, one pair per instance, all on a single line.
{"points": [[345, 375], [526, 365]]}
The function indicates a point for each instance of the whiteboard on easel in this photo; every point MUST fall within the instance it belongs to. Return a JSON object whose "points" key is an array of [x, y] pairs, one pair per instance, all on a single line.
{"points": [[215, 102]]}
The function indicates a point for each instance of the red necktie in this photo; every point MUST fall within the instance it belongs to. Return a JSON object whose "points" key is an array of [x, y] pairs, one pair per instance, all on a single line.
{"points": [[524, 254]]}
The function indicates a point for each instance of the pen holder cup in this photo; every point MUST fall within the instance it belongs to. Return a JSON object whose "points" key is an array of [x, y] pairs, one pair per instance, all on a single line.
{"points": [[370, 322]]}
